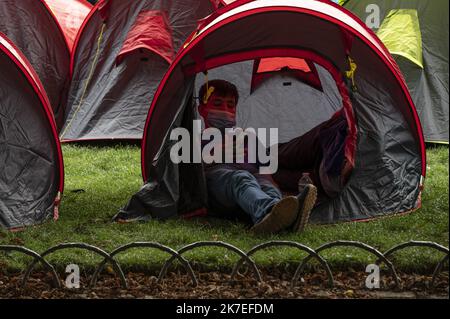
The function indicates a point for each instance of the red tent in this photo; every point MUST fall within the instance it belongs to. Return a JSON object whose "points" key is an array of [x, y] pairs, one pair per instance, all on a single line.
{"points": [[32, 174], [382, 141], [122, 52]]}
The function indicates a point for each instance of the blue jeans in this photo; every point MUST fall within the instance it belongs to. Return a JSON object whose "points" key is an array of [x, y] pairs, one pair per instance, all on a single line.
{"points": [[231, 189]]}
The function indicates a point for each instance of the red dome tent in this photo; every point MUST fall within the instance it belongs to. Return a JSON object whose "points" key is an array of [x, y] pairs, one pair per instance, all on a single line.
{"points": [[384, 141], [122, 52], [34, 29], [32, 176], [70, 15]]}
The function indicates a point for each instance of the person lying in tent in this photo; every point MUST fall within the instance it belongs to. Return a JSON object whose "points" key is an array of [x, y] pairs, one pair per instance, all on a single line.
{"points": [[241, 187]]}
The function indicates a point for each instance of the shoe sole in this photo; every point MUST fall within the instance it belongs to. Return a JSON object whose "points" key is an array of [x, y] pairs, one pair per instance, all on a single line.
{"points": [[306, 207], [282, 216]]}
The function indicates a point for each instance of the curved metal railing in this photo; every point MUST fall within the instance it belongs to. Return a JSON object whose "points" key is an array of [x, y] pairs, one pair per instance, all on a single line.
{"points": [[245, 258]]}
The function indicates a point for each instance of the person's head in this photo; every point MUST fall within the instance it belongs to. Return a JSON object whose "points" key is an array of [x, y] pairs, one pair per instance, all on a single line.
{"points": [[218, 99]]}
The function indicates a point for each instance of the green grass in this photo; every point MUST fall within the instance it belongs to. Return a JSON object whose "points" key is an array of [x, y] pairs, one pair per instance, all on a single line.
{"points": [[100, 180]]}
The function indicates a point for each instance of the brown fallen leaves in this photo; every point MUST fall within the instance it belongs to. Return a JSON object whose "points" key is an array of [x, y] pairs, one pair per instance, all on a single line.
{"points": [[348, 285]]}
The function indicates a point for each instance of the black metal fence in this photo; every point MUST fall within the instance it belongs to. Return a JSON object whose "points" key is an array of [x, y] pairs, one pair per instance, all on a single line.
{"points": [[245, 258]]}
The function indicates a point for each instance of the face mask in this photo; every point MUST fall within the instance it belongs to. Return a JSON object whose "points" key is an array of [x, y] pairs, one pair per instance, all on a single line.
{"points": [[220, 120]]}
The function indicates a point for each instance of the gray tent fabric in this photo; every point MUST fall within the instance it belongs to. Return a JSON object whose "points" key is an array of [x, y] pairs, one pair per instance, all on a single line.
{"points": [[428, 85], [389, 150], [177, 188], [110, 95], [31, 178], [34, 30]]}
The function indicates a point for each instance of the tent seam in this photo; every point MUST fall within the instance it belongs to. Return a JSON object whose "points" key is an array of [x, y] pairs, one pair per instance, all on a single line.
{"points": [[91, 74]]}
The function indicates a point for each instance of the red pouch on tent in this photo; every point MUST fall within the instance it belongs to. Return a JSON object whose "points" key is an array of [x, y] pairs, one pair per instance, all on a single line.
{"points": [[151, 32]]}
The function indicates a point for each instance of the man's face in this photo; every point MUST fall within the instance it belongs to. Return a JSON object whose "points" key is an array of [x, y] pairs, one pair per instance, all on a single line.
{"points": [[221, 104]]}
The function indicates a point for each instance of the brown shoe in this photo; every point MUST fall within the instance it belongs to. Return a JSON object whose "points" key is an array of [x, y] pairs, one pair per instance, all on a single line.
{"points": [[307, 200], [282, 216]]}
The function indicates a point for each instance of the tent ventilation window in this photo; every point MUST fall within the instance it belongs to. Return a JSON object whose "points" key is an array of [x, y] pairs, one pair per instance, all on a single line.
{"points": [[151, 32], [303, 70], [400, 32]]}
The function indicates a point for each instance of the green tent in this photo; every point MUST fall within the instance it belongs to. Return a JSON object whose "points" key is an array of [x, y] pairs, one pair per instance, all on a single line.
{"points": [[416, 34]]}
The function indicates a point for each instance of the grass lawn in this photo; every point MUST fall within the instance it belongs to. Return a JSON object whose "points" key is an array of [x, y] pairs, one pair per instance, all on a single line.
{"points": [[100, 180]]}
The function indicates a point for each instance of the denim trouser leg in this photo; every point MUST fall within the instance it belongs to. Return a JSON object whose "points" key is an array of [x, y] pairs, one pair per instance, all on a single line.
{"points": [[231, 187], [267, 185]]}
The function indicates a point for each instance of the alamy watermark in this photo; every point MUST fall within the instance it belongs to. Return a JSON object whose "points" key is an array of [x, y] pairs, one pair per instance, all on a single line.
{"points": [[229, 146], [373, 279], [373, 18], [73, 278]]}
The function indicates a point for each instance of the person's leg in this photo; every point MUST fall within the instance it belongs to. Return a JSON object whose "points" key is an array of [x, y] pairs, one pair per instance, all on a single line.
{"points": [[268, 185], [300, 155], [231, 189], [301, 152], [288, 179], [220, 205], [269, 213], [306, 200], [304, 154]]}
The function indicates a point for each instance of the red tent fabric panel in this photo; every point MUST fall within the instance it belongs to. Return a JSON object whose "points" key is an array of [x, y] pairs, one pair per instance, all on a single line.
{"points": [[152, 32], [300, 69], [70, 15], [277, 64]]}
